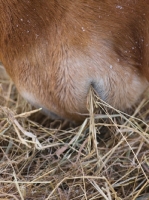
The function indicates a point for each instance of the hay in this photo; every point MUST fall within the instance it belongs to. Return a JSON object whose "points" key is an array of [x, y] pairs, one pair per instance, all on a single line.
{"points": [[107, 157]]}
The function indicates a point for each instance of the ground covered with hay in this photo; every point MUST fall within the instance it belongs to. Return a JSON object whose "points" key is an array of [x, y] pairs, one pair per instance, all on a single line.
{"points": [[106, 157]]}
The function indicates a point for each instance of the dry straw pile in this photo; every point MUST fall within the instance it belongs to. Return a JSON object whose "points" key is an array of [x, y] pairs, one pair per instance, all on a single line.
{"points": [[107, 157]]}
